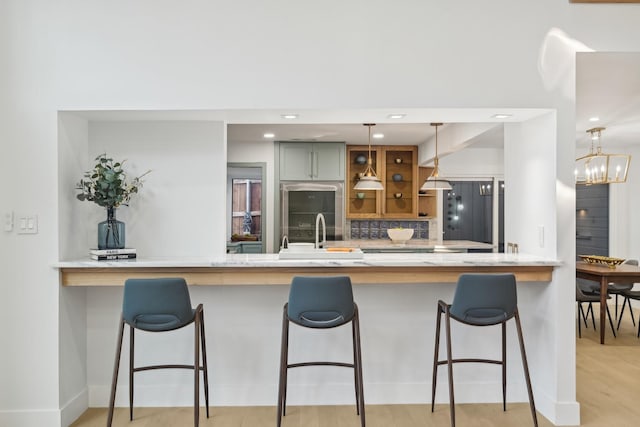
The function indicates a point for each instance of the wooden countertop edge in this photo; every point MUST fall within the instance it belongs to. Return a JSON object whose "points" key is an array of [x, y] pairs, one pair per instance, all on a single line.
{"points": [[218, 276]]}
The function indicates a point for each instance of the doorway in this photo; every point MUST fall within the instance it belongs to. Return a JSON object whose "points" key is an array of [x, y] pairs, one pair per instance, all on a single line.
{"points": [[246, 217]]}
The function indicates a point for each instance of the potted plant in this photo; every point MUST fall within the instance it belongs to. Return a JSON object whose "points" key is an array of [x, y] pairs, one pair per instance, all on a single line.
{"points": [[106, 185]]}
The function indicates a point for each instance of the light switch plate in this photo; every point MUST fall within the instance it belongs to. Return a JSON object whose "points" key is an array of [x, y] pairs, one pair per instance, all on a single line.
{"points": [[27, 224]]}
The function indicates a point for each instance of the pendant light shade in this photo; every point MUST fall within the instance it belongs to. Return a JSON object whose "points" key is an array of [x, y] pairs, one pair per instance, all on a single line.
{"points": [[369, 180], [435, 182], [600, 168]]}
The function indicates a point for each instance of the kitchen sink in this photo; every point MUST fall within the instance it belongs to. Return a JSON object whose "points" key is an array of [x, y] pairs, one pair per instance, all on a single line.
{"points": [[327, 253]]}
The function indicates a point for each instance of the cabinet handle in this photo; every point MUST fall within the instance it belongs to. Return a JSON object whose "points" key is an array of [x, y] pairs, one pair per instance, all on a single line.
{"points": [[316, 166]]}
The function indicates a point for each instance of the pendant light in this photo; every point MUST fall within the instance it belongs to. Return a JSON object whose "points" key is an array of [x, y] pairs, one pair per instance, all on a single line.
{"points": [[598, 167], [369, 180], [434, 182]]}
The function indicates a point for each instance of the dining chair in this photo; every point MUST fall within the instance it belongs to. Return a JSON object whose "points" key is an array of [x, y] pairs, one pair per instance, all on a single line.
{"points": [[590, 298], [628, 296], [621, 289], [160, 305], [321, 303], [481, 300]]}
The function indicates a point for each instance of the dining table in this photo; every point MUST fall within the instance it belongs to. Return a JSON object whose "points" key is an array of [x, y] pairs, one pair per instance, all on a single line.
{"points": [[603, 274]]}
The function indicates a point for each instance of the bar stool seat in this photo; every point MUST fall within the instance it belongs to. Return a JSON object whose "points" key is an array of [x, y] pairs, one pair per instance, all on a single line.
{"points": [[160, 305], [480, 300], [320, 303]]}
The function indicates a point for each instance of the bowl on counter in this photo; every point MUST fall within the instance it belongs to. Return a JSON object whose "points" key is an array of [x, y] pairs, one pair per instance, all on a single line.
{"points": [[400, 235]]}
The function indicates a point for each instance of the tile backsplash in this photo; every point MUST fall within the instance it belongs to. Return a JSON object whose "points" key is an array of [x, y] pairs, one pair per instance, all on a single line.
{"points": [[377, 228]]}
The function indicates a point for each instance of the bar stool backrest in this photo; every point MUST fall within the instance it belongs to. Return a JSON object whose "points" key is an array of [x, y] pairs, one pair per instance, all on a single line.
{"points": [[321, 302], [484, 299], [157, 304]]}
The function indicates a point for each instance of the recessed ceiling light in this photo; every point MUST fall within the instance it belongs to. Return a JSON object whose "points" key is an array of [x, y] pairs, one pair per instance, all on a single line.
{"points": [[501, 116], [378, 135], [289, 116], [396, 116], [594, 119], [269, 135]]}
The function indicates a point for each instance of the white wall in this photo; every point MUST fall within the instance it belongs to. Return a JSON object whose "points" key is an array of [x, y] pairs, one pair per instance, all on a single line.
{"points": [[623, 206], [473, 162], [73, 144], [177, 210], [530, 198], [193, 55]]}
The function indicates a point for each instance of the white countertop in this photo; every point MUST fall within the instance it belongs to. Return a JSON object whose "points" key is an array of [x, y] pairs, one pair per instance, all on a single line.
{"points": [[410, 244], [369, 260]]}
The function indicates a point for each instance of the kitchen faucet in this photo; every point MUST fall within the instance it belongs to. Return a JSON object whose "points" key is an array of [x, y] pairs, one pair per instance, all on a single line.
{"points": [[320, 218]]}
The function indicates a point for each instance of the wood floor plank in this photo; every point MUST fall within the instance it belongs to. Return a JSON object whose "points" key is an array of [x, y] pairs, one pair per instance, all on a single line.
{"points": [[607, 390]]}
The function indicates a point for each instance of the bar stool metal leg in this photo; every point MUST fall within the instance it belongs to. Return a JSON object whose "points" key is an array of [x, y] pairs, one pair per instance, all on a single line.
{"points": [[205, 368], [116, 367], [131, 368], [452, 409], [504, 366], [436, 356], [525, 367], [196, 372], [284, 356], [355, 371], [358, 367]]}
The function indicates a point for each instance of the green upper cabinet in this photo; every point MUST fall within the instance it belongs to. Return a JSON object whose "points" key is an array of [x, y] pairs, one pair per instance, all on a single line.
{"points": [[305, 161]]}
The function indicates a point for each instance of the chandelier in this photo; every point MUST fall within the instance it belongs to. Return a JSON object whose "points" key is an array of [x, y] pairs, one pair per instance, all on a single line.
{"points": [[434, 182], [369, 180], [598, 167]]}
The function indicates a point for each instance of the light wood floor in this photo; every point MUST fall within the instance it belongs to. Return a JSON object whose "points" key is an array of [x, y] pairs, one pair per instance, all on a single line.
{"points": [[607, 389]]}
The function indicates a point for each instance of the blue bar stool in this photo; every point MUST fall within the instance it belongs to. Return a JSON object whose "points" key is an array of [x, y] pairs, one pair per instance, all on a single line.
{"points": [[481, 300], [320, 303], [159, 305]]}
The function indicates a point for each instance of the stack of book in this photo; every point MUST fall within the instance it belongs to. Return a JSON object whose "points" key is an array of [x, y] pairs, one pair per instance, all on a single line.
{"points": [[112, 254]]}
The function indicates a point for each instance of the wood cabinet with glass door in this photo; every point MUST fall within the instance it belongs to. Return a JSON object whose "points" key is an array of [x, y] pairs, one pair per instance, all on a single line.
{"points": [[362, 203], [400, 182]]}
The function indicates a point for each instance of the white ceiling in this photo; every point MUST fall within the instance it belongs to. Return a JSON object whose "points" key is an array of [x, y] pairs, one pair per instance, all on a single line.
{"points": [[608, 87], [355, 134], [344, 125], [347, 126]]}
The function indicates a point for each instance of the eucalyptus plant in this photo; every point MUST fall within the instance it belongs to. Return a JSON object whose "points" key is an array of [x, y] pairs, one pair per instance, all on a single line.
{"points": [[106, 184]]}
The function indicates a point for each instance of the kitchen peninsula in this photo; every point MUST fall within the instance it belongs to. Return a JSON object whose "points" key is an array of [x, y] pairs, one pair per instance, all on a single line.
{"points": [[243, 294], [267, 269]]}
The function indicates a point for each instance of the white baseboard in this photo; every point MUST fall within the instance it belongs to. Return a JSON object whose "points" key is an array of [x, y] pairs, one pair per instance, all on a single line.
{"points": [[32, 418], [559, 413], [74, 408], [41, 418]]}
